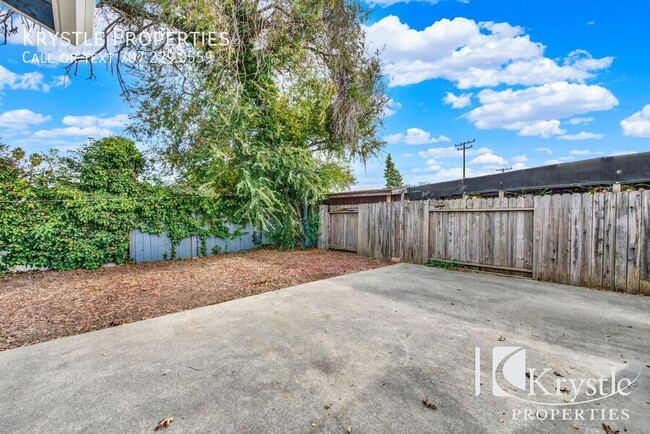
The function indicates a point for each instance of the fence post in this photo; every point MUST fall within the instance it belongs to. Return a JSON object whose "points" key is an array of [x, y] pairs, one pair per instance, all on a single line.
{"points": [[323, 227], [425, 232], [644, 244]]}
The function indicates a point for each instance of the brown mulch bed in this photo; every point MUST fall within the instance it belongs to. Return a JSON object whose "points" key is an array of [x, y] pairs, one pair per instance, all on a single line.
{"points": [[40, 306]]}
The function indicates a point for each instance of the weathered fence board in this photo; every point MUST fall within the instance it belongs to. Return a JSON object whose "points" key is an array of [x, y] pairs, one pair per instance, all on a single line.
{"points": [[529, 241], [599, 240], [547, 242], [634, 228], [620, 250], [609, 223], [323, 226], [644, 244]]}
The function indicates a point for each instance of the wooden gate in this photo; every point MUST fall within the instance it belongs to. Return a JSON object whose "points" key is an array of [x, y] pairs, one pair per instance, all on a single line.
{"points": [[342, 228], [491, 233]]}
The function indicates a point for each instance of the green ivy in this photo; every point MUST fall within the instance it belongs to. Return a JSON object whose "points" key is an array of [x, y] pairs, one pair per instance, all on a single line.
{"points": [[77, 212]]}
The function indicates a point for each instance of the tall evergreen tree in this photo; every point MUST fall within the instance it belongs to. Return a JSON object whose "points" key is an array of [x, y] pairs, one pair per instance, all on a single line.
{"points": [[391, 174]]}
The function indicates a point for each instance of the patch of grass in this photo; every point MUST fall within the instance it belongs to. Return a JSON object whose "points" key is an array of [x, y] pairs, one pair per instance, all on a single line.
{"points": [[446, 265]]}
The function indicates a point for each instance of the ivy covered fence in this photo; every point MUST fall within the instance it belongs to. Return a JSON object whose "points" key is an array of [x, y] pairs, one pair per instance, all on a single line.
{"points": [[77, 211]]}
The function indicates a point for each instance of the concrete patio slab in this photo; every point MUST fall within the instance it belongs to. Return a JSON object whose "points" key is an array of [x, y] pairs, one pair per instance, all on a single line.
{"points": [[355, 353]]}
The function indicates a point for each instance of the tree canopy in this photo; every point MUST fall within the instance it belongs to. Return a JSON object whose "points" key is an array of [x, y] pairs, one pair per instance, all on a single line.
{"points": [[272, 112]]}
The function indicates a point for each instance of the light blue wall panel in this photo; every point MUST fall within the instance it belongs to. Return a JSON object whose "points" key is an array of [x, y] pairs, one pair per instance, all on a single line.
{"points": [[152, 247]]}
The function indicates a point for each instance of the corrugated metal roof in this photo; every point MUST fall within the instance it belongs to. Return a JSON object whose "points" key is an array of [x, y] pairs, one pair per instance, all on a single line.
{"points": [[626, 169]]}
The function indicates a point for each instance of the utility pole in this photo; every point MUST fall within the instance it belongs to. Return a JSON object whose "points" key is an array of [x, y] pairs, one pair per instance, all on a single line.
{"points": [[503, 169], [463, 146]]}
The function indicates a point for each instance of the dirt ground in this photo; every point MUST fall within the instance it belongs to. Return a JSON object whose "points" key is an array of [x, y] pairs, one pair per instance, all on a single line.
{"points": [[40, 306]]}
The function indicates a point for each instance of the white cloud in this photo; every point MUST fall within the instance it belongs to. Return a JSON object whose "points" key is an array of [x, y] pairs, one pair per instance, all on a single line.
{"points": [[94, 132], [535, 111], [637, 125], [439, 152], [386, 3], [615, 153], [580, 121], [584, 152], [561, 160], [415, 136], [26, 81], [472, 54], [85, 126], [394, 138], [489, 159], [582, 135], [538, 128], [457, 173], [391, 108], [434, 170], [519, 159], [21, 119], [549, 151], [431, 166], [458, 101], [117, 121]]}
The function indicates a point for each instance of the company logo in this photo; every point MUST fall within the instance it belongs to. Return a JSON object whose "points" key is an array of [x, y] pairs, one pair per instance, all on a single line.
{"points": [[148, 46], [510, 377]]}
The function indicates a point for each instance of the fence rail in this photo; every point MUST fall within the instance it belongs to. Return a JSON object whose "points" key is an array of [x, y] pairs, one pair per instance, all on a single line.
{"points": [[599, 240]]}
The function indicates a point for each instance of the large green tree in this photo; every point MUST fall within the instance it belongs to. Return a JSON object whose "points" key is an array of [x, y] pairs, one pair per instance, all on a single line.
{"points": [[272, 114]]}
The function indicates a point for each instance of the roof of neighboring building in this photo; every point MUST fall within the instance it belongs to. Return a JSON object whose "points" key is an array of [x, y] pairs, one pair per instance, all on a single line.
{"points": [[626, 169], [365, 193]]}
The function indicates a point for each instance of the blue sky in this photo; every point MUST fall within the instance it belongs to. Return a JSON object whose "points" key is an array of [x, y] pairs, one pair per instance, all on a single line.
{"points": [[533, 82]]}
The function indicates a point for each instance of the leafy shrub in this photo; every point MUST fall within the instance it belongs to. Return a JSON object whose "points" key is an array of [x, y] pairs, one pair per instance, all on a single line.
{"points": [[446, 265]]}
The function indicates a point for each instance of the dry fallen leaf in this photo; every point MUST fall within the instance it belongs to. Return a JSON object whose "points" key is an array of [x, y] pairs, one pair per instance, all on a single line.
{"points": [[44, 306], [608, 429], [565, 389], [164, 423], [428, 404], [501, 338]]}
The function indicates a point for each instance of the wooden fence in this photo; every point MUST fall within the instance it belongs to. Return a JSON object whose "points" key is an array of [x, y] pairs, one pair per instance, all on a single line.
{"points": [[599, 240]]}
